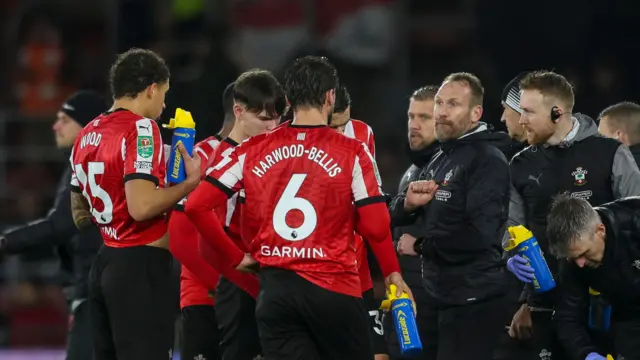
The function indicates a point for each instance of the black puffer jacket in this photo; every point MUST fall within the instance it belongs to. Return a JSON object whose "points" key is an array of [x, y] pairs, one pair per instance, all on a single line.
{"points": [[462, 226], [618, 279]]}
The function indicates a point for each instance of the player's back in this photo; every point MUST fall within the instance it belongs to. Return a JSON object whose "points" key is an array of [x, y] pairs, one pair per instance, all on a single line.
{"points": [[114, 148], [299, 185]]}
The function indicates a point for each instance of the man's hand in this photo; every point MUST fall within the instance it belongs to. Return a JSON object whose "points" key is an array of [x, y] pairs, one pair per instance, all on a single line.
{"points": [[521, 324], [191, 166], [520, 267], [248, 264], [406, 245], [419, 193], [396, 279]]}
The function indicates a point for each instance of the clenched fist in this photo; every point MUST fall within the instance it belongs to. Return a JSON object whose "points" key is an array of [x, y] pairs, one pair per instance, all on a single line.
{"points": [[419, 193]]}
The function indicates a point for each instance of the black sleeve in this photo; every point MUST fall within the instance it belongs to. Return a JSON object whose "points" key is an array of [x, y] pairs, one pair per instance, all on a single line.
{"points": [[398, 216], [54, 229], [570, 309], [487, 205]]}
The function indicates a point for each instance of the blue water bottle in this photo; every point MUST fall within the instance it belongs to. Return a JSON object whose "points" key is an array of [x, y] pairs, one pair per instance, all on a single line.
{"points": [[526, 245], [405, 321], [184, 132], [599, 312]]}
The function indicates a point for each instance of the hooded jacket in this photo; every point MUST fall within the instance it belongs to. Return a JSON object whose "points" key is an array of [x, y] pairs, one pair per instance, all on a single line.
{"points": [[460, 229], [585, 164]]}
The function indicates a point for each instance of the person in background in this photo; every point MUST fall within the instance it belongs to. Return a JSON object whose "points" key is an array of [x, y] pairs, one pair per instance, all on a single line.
{"points": [[342, 122], [422, 145], [511, 114], [622, 122], [599, 249], [566, 153], [198, 280], [58, 230]]}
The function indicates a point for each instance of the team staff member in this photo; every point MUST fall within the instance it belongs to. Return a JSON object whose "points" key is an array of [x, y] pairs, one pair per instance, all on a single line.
{"points": [[57, 228], [622, 122], [117, 182], [599, 248], [422, 145], [566, 154], [461, 209], [342, 122]]}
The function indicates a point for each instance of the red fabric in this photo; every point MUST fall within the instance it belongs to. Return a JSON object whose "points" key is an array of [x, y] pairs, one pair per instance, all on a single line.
{"points": [[99, 172]]}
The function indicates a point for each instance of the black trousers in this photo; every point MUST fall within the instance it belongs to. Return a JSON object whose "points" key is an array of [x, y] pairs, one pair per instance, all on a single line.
{"points": [[200, 334], [79, 341], [468, 332], [132, 303], [235, 314], [300, 320]]}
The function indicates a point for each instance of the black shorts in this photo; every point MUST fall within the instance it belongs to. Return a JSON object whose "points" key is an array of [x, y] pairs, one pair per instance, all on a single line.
{"points": [[200, 334], [376, 328], [132, 303], [300, 320], [235, 312]]}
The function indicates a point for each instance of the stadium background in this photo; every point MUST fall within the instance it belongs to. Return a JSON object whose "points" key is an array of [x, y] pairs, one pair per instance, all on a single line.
{"points": [[383, 50]]}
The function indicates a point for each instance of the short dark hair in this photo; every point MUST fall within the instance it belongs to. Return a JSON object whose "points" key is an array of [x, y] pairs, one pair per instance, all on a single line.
{"points": [[343, 99], [307, 81], [474, 83], [624, 116], [424, 93], [135, 70], [259, 91], [550, 84], [569, 219]]}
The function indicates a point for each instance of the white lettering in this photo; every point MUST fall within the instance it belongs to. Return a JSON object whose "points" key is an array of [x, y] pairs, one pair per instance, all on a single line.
{"points": [[91, 138], [292, 252], [318, 156], [109, 232]]}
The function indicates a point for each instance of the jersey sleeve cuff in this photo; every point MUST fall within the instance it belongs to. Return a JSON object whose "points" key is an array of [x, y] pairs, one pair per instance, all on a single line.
{"points": [[222, 187], [140, 176], [371, 200], [75, 189]]}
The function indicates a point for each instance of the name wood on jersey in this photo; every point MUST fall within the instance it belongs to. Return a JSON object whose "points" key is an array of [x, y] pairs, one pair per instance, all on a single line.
{"points": [[314, 154], [92, 138]]}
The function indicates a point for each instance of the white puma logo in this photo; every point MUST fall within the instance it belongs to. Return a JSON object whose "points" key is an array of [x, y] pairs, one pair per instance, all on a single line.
{"points": [[536, 179]]}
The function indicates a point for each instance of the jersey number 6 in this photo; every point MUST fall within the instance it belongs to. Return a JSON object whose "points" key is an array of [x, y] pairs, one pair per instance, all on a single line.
{"points": [[289, 201]]}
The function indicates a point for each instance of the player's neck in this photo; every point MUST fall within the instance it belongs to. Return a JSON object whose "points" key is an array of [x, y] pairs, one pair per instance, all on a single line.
{"points": [[309, 117], [129, 104], [237, 134], [227, 127]]}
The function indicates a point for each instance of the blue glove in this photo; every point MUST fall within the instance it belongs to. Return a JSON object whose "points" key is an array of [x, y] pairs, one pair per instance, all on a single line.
{"points": [[595, 356], [519, 266]]}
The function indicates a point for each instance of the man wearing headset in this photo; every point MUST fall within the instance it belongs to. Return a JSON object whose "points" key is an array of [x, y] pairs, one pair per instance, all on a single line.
{"points": [[566, 154]]}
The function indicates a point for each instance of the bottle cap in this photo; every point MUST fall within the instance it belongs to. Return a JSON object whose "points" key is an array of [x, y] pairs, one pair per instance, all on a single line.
{"points": [[183, 119], [517, 235], [609, 357]]}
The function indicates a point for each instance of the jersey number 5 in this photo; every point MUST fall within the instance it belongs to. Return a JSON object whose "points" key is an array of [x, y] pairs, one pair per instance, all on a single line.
{"points": [[289, 201], [88, 181]]}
